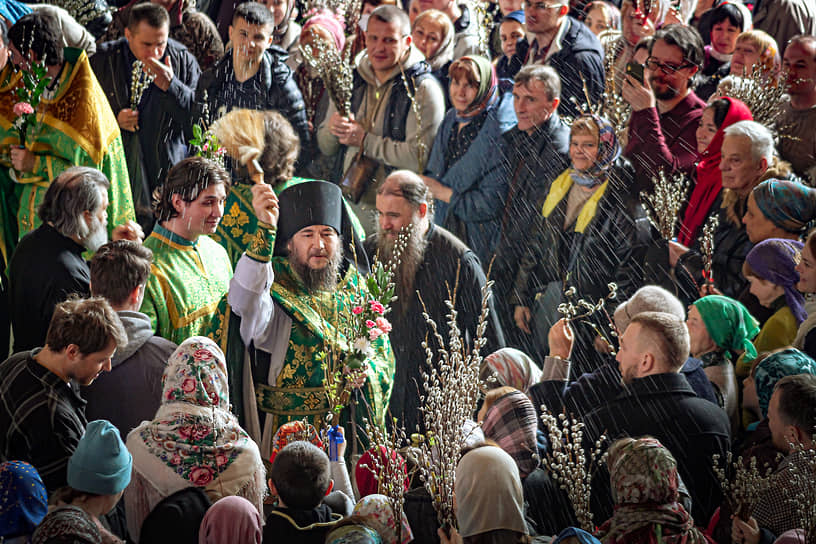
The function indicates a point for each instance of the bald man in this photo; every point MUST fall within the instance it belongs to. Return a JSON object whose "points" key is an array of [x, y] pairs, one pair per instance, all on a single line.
{"points": [[428, 270]]}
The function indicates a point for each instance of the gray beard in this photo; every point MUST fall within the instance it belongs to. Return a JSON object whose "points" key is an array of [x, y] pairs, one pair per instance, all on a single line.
{"points": [[97, 237], [410, 260], [324, 279]]}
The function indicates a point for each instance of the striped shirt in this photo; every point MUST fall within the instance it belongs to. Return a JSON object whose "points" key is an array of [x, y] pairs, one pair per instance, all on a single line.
{"points": [[42, 418]]}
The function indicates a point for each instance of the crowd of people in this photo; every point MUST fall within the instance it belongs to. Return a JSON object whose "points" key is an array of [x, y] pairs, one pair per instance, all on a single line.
{"points": [[240, 239]]}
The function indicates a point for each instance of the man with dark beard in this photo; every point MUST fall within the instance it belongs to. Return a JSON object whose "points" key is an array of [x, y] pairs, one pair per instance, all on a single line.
{"points": [[665, 111], [434, 266], [294, 311], [47, 266]]}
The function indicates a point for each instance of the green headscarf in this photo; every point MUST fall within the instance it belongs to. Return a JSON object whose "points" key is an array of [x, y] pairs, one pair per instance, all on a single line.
{"points": [[729, 324]]}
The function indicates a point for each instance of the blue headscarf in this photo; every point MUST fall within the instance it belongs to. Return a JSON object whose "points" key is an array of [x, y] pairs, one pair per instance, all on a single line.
{"points": [[787, 204], [788, 362], [23, 500], [608, 151], [582, 536], [12, 10]]}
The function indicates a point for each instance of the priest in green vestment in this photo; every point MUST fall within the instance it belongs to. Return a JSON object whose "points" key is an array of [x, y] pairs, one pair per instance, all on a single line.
{"points": [[268, 138], [75, 127], [186, 293], [292, 289]]}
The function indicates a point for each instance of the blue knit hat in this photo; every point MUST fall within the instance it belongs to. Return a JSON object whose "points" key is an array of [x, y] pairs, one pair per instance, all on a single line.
{"points": [[101, 463]]}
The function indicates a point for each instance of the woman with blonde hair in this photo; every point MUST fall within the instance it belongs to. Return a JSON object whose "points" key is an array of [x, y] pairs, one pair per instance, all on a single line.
{"points": [[433, 32], [755, 49]]}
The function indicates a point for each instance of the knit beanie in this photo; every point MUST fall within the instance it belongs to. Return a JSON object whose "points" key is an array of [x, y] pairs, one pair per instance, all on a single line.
{"points": [[101, 463], [649, 298]]}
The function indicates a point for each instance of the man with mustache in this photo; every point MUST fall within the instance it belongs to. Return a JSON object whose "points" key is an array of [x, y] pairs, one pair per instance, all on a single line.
{"points": [[665, 111], [429, 265], [293, 288]]}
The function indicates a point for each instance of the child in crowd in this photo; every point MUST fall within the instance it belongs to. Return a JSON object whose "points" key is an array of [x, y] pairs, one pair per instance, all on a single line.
{"points": [[513, 44], [300, 478], [601, 16], [770, 267], [98, 473]]}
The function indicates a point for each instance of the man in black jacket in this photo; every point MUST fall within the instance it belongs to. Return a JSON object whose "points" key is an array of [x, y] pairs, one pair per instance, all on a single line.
{"points": [[570, 48], [430, 265], [536, 154], [254, 75], [155, 133], [658, 401]]}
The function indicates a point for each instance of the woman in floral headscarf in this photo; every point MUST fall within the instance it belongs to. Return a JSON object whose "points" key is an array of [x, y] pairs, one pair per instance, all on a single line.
{"points": [[465, 172], [193, 440], [590, 233], [645, 487], [377, 513]]}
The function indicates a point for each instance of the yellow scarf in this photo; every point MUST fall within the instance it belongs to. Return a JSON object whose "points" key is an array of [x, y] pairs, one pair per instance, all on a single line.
{"points": [[560, 188]]}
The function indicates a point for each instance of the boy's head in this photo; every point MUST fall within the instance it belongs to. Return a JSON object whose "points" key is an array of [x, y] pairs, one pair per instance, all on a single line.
{"points": [[301, 475], [511, 31]]}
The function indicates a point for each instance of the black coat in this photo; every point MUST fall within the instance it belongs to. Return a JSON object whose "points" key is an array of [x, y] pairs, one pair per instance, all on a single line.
{"points": [[45, 269], [165, 118], [611, 249], [665, 407], [445, 256], [578, 62], [272, 88], [533, 162]]}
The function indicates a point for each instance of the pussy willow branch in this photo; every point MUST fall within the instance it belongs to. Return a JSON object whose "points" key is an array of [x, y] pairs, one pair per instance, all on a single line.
{"points": [[451, 385]]}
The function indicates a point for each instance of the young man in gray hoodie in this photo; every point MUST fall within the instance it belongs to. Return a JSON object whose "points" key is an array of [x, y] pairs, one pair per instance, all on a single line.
{"points": [[131, 392]]}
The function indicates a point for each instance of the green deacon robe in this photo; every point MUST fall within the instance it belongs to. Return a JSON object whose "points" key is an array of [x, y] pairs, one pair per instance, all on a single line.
{"points": [[76, 127], [309, 326], [186, 293]]}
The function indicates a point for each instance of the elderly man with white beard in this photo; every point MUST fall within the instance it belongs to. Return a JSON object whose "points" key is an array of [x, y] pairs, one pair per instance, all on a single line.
{"points": [[428, 270], [48, 264]]}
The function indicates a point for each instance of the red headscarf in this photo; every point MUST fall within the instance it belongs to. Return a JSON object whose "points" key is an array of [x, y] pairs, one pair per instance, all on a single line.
{"points": [[709, 178], [366, 473]]}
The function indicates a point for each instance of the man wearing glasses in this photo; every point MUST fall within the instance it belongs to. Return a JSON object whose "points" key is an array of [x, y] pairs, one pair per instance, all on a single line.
{"points": [[665, 111], [570, 48]]}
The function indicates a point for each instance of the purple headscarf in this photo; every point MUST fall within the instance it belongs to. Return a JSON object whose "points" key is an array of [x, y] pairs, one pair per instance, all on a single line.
{"points": [[775, 260], [231, 519]]}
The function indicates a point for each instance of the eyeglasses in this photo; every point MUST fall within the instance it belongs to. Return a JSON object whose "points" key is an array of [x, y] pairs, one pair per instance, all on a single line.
{"points": [[542, 6], [667, 68]]}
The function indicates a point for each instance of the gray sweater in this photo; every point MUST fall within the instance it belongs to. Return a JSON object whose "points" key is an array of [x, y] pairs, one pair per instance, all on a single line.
{"points": [[131, 392]]}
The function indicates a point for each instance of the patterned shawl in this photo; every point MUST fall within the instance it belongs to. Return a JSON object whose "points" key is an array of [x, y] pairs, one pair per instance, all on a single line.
{"points": [[293, 431], [23, 499], [511, 367], [645, 489], [512, 423], [774, 367], [377, 512], [608, 151], [194, 437]]}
